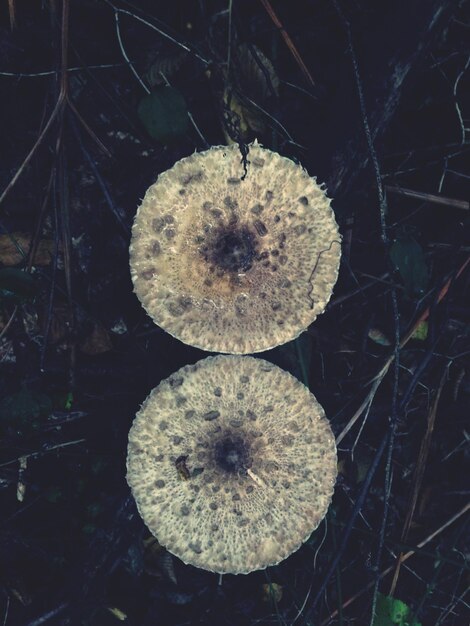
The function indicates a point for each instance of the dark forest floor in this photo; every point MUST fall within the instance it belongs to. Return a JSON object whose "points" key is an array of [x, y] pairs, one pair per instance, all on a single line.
{"points": [[78, 354]]}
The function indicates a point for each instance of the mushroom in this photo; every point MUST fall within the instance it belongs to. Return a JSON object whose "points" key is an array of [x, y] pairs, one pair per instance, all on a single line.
{"points": [[232, 464], [233, 263]]}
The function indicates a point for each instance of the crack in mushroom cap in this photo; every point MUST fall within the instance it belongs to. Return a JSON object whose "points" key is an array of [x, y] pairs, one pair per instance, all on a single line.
{"points": [[232, 464], [235, 265]]}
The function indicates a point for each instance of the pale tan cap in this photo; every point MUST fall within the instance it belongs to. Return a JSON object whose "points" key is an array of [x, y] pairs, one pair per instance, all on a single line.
{"points": [[233, 264], [232, 464]]}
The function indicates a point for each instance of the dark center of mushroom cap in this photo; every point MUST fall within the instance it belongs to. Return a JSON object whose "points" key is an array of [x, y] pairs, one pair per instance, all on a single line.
{"points": [[233, 249], [232, 454]]}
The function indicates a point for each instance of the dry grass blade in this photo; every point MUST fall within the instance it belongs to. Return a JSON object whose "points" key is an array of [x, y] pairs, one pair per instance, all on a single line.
{"points": [[290, 44], [12, 13]]}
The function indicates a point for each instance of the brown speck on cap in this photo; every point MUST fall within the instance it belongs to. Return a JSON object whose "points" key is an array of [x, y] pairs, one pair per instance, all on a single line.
{"points": [[211, 250], [218, 493]]}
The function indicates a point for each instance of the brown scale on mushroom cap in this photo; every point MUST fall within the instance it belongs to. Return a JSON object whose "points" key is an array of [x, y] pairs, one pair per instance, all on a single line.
{"points": [[232, 464], [235, 265]]}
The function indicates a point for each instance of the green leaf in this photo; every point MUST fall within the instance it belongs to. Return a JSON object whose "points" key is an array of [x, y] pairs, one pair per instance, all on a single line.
{"points": [[164, 114], [69, 401], [16, 284], [421, 332], [408, 257], [392, 612]]}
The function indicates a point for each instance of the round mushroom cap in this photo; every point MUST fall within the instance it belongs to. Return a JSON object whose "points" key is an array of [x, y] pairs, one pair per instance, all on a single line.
{"points": [[233, 263], [232, 464]]}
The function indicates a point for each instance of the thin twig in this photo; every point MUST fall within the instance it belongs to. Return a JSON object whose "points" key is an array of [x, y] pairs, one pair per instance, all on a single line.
{"points": [[229, 42], [457, 106], [47, 616], [104, 66], [191, 118], [159, 31], [429, 197], [7, 608], [33, 455], [124, 53], [277, 122]]}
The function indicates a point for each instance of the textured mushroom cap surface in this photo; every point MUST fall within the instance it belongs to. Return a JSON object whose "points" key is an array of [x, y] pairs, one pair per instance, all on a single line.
{"points": [[232, 464], [235, 265]]}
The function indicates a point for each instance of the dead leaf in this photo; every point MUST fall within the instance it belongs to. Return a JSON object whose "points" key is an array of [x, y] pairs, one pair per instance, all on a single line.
{"points": [[167, 566], [30, 316], [164, 67], [272, 593], [97, 341], [117, 613], [235, 124], [256, 74], [421, 331], [342, 467], [379, 337], [10, 252], [254, 79], [158, 561], [60, 323], [7, 351]]}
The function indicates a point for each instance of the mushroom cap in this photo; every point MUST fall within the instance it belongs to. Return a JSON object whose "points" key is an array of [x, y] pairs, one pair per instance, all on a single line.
{"points": [[235, 264], [232, 464]]}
